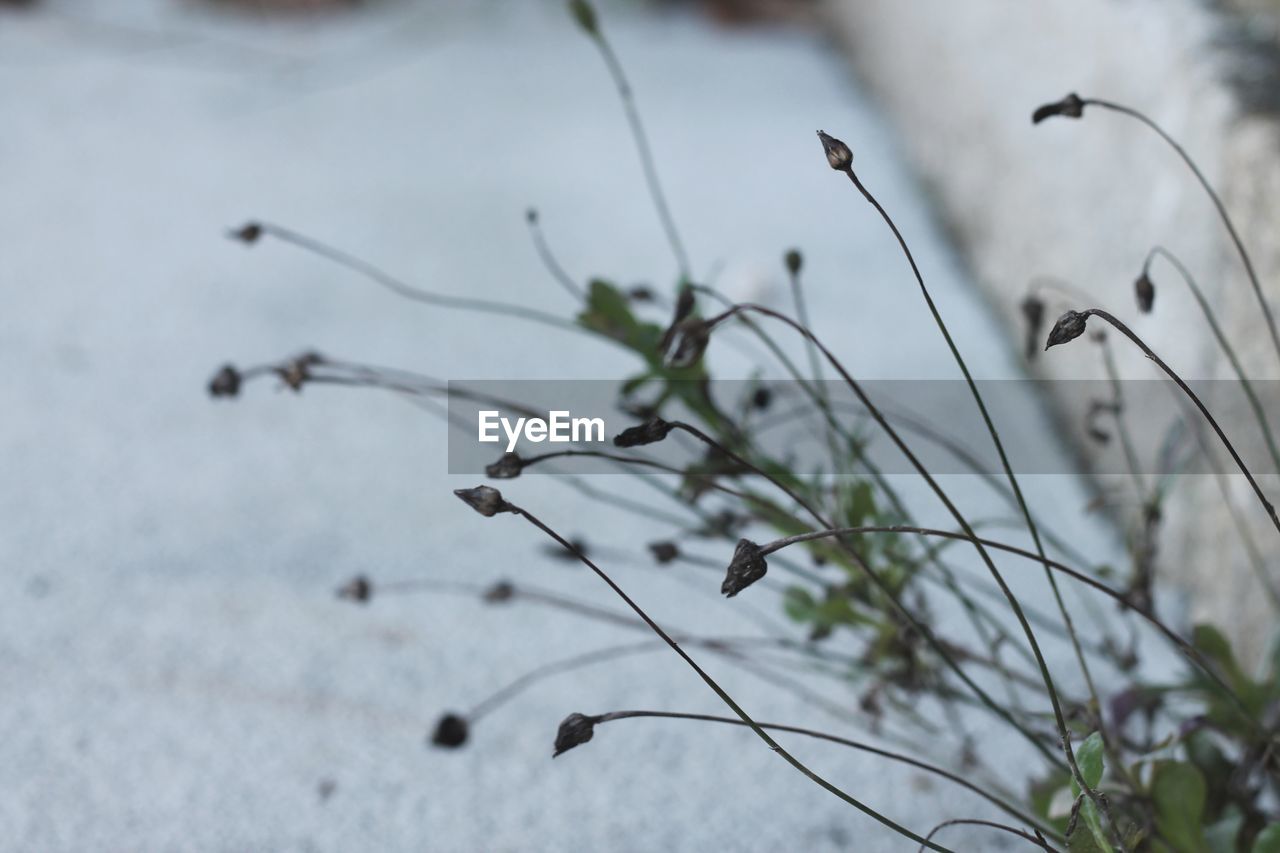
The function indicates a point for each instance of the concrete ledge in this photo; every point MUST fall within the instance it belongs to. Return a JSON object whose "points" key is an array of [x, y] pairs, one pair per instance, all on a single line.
{"points": [[1085, 200]]}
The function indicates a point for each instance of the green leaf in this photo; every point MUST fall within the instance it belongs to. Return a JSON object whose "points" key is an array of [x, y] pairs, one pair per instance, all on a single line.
{"points": [[1089, 757], [1268, 841], [1178, 790], [799, 604]]}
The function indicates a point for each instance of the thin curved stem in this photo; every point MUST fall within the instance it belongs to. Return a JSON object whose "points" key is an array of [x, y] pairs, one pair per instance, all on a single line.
{"points": [[720, 691], [993, 825], [549, 259], [1208, 416], [1225, 343], [861, 746], [1059, 717], [1213, 196]]}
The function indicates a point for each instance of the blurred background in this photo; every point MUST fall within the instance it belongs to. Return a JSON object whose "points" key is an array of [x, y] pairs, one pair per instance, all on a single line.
{"points": [[177, 671]]}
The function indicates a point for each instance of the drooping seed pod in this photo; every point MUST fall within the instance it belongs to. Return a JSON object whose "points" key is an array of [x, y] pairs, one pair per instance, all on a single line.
{"points": [[499, 593], [664, 552], [794, 261], [359, 589], [451, 731], [585, 15], [226, 382], [506, 468], [689, 342], [485, 500], [249, 233], [575, 730], [1070, 326], [649, 432], [838, 154], [1145, 291], [1069, 107], [747, 566]]}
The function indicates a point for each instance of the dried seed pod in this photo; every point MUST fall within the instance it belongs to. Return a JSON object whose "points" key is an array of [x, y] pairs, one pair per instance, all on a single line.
{"points": [[690, 338], [506, 468], [1145, 291], [451, 732], [359, 589], [640, 293], [685, 303], [794, 261], [747, 566], [1070, 107], [576, 730], [485, 500], [649, 432], [838, 154], [1070, 326], [762, 398], [500, 592], [664, 552], [226, 382], [249, 233], [1033, 313]]}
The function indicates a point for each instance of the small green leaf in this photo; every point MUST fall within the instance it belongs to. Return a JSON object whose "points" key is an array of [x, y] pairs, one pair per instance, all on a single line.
{"points": [[1090, 759]]}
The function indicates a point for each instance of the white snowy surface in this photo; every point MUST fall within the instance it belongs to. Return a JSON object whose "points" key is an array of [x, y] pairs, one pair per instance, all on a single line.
{"points": [[175, 672]]}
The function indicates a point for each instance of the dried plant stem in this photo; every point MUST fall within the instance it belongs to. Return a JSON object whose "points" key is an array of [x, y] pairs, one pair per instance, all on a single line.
{"points": [[861, 746], [1059, 718], [1227, 349], [627, 97], [1208, 416], [408, 291], [1038, 842], [549, 259], [1213, 196], [720, 691]]}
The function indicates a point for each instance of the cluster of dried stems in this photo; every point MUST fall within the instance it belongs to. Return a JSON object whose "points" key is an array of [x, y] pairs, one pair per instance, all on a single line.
{"points": [[871, 568]]}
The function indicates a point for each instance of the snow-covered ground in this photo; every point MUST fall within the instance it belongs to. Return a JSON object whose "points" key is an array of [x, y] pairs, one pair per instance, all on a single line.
{"points": [[175, 672]]}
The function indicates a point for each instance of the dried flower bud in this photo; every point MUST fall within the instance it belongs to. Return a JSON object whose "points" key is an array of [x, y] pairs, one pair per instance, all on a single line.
{"points": [[576, 730], [451, 731], [794, 261], [500, 592], [649, 432], [664, 552], [746, 567], [249, 233], [1071, 107], [1069, 327], [226, 382], [1145, 291], [531, 216], [359, 589], [585, 15], [485, 500], [296, 372], [1033, 312], [691, 338], [762, 398], [640, 293], [838, 154], [506, 468]]}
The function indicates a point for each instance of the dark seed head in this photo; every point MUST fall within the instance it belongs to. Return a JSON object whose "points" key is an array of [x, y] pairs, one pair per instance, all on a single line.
{"points": [[664, 552], [762, 398], [1069, 327], [585, 15], [225, 383], [531, 216], [640, 293], [690, 339], [838, 154], [1145, 291], [794, 261], [1071, 107], [649, 432], [1033, 312], [506, 468], [451, 731], [576, 730], [249, 233], [746, 567], [485, 500], [500, 592], [359, 589]]}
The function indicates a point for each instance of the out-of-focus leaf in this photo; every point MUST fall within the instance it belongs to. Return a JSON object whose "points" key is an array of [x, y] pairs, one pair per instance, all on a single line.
{"points": [[1178, 791], [1268, 841]]}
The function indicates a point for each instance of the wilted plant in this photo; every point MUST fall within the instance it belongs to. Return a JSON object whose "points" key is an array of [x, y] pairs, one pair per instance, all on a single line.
{"points": [[1127, 763]]}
